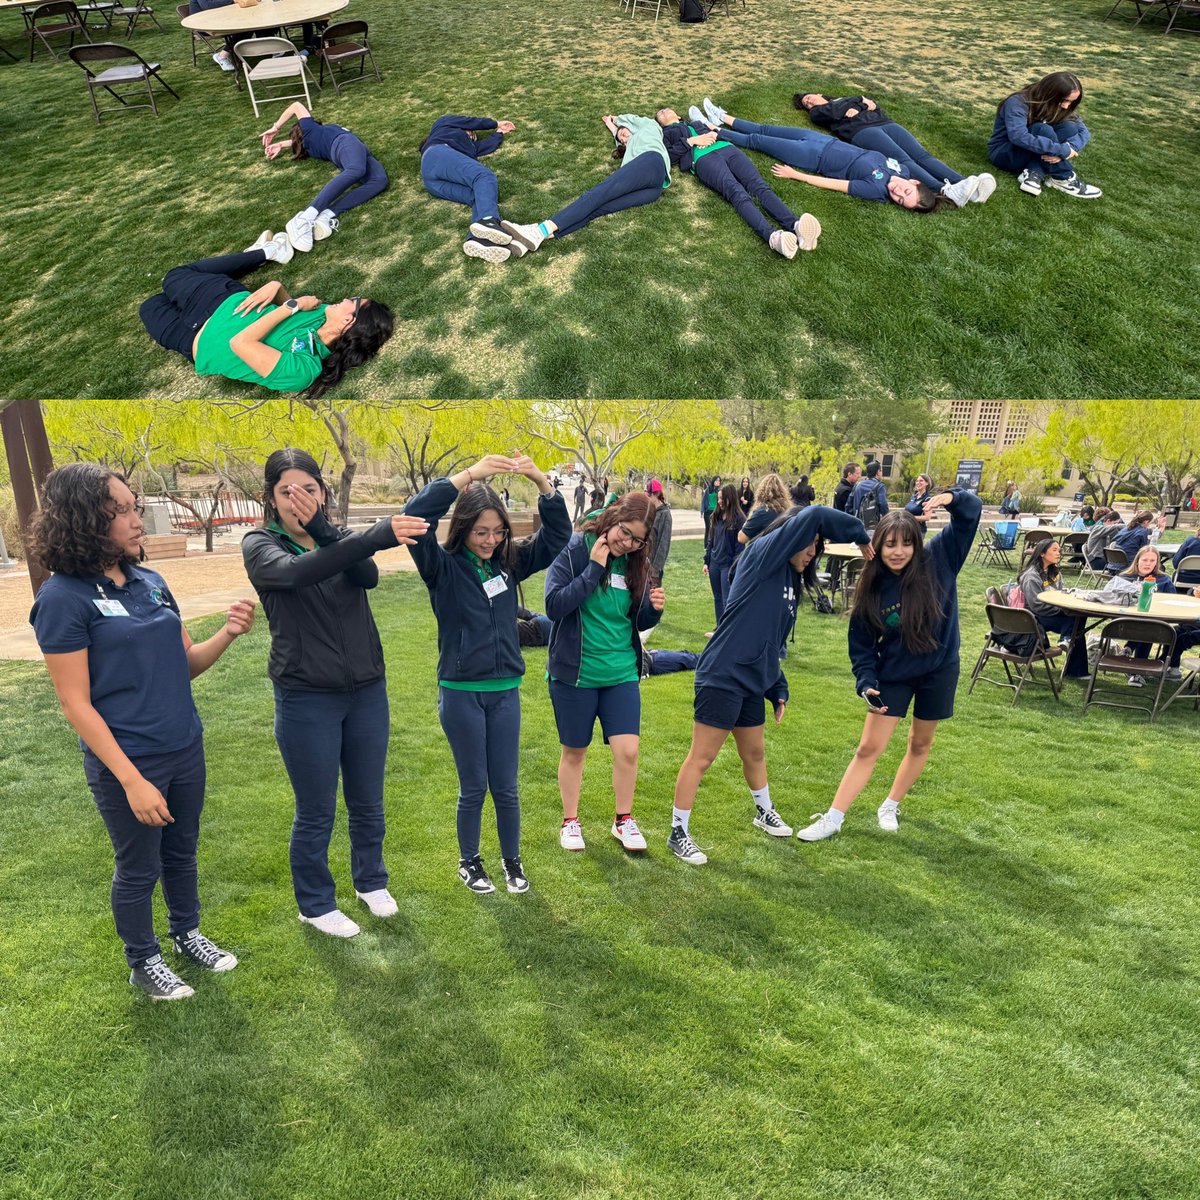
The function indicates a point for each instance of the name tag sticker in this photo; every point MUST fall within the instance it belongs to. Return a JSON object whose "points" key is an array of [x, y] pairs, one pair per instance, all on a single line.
{"points": [[494, 587], [111, 608], [618, 581]]}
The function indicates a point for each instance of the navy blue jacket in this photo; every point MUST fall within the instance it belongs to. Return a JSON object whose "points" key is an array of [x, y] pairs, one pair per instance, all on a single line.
{"points": [[1190, 547], [721, 546], [477, 636], [861, 489], [452, 131], [878, 658], [751, 637], [571, 579], [1131, 541], [832, 116], [916, 505]]}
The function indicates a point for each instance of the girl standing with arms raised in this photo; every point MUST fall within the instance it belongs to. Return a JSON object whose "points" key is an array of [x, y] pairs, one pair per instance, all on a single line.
{"points": [[326, 667], [121, 663], [599, 595], [739, 671], [904, 642], [472, 583]]}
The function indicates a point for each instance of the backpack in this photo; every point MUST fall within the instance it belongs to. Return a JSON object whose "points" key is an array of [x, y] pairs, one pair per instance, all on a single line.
{"points": [[868, 510], [691, 12]]}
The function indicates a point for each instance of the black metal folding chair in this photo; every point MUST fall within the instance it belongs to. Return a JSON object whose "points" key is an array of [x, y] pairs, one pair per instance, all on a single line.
{"points": [[1146, 631], [1017, 640], [131, 71]]}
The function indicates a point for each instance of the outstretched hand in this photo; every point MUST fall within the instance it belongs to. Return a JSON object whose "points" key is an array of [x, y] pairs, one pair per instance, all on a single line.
{"points": [[406, 529], [505, 127], [935, 502], [783, 171]]}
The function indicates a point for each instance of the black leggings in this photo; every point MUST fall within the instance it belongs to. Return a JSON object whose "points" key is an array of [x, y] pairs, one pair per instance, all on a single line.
{"points": [[192, 294]]}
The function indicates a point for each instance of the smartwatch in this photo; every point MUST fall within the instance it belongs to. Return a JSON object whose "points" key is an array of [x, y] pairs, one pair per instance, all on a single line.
{"points": [[292, 305]]}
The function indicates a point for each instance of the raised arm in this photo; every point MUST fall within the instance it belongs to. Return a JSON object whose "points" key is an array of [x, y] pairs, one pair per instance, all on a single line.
{"points": [[538, 552], [272, 567], [951, 547], [296, 111]]}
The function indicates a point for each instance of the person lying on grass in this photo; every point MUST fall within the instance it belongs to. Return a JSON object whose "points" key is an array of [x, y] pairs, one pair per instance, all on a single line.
{"points": [[209, 316], [362, 176], [643, 176], [824, 162], [726, 170], [861, 122]]}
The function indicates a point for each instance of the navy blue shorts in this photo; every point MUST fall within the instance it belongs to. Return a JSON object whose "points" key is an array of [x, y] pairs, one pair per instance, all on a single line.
{"points": [[934, 695], [575, 711], [721, 709]]}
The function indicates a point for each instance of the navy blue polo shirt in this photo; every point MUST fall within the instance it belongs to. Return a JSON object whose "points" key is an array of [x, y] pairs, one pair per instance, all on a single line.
{"points": [[319, 137], [867, 170], [137, 665]]}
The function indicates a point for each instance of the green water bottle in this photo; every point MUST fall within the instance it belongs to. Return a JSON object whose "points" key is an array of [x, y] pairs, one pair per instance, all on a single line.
{"points": [[1144, 598]]}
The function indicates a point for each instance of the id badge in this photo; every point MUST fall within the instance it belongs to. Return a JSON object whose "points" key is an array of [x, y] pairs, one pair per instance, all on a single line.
{"points": [[111, 608], [618, 581], [494, 587]]}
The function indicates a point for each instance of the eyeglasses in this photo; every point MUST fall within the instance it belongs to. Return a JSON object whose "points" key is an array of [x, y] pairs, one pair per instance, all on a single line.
{"points": [[123, 510], [630, 536], [489, 535]]}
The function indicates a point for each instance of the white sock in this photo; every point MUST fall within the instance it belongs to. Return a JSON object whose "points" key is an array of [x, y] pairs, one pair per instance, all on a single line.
{"points": [[762, 797], [680, 818], [837, 817], [310, 213], [890, 804]]}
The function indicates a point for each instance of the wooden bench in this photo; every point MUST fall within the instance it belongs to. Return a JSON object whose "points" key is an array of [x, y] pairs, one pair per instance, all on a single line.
{"points": [[173, 545]]}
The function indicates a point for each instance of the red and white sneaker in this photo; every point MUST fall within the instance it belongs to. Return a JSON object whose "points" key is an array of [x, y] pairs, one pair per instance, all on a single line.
{"points": [[570, 836], [628, 834]]}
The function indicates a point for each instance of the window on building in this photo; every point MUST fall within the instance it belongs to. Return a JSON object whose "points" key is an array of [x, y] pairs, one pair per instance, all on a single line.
{"points": [[1066, 469], [885, 465]]}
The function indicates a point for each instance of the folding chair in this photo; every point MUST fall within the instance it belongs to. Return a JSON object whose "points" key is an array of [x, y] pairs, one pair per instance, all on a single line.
{"points": [[132, 13], [657, 5], [1015, 623], [1115, 561], [1072, 551], [135, 71], [1144, 9], [1030, 539], [1191, 563], [345, 42], [1182, 6], [54, 19], [1189, 688], [277, 61], [1146, 630], [104, 9]]}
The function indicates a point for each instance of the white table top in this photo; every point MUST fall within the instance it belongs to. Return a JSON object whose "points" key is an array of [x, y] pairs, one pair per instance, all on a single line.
{"points": [[843, 549], [1163, 606], [230, 19]]}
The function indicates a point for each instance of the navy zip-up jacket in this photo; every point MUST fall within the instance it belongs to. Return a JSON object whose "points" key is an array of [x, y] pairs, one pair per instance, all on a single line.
{"points": [[745, 651], [833, 116], [571, 579], [1131, 541], [721, 546], [879, 658], [452, 131], [862, 489], [477, 636]]}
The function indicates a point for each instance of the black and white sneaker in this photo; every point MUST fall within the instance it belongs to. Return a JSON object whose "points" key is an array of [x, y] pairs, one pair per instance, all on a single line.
{"points": [[158, 981], [489, 230], [514, 875], [769, 821], [195, 946], [471, 872], [682, 846]]}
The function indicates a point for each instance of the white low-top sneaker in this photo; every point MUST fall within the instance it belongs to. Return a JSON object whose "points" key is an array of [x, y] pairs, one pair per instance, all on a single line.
{"points": [[987, 185], [300, 232], [570, 836], [784, 242], [807, 229], [822, 828], [628, 834], [889, 816], [381, 902], [334, 923], [715, 113]]}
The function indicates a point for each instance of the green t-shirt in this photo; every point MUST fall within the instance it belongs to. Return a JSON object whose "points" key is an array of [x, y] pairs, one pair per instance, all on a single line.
{"points": [[712, 501], [301, 352], [608, 655], [485, 571]]}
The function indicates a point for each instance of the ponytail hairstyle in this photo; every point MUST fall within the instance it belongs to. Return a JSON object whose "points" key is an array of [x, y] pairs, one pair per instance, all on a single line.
{"points": [[476, 499], [1044, 99], [920, 604], [362, 341], [291, 459], [70, 531], [1140, 518], [297, 141], [633, 506]]}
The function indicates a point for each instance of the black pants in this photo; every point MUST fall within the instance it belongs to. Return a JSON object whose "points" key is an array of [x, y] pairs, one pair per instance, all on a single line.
{"points": [[192, 294]]}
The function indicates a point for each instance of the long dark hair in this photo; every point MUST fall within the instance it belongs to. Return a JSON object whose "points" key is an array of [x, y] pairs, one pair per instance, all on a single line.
{"points": [[290, 459], [475, 500], [1140, 518], [929, 201], [633, 506], [728, 511], [297, 141], [809, 575], [1037, 561], [362, 341], [920, 605], [1044, 98], [70, 531]]}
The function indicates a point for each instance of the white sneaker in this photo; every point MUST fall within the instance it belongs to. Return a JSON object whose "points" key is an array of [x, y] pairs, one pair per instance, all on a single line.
{"points": [[889, 816], [629, 835], [1137, 681], [715, 113], [696, 117], [222, 59], [1030, 180], [1074, 186], [381, 902], [570, 836], [488, 251], [263, 240], [325, 226], [1174, 674], [530, 236], [769, 821], [962, 192], [300, 232], [821, 828], [280, 249], [784, 242], [334, 923], [987, 185], [807, 229]]}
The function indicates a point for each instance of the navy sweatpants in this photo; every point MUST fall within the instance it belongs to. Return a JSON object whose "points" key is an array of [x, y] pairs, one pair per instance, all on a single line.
{"points": [[362, 176], [1016, 158], [449, 175], [732, 175], [634, 183], [896, 142]]}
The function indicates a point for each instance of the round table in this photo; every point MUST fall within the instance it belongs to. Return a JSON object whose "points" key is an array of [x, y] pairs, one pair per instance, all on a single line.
{"points": [[234, 23]]}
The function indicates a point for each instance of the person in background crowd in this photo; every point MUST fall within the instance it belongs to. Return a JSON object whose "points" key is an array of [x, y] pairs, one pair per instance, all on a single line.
{"points": [[1010, 503], [916, 505], [1043, 574], [722, 547], [772, 497], [1085, 520], [222, 58], [661, 530], [581, 495], [803, 494], [851, 474], [904, 643], [745, 496], [1147, 567], [1189, 548], [1106, 527], [326, 669], [122, 663], [1136, 534], [708, 502], [868, 491]]}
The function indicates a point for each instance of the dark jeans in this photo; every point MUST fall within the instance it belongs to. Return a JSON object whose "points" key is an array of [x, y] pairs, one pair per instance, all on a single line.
{"points": [[735, 178], [667, 662], [147, 853], [637, 182], [362, 177], [484, 732], [320, 733], [1064, 624], [191, 294], [799, 148], [1185, 639], [1016, 158], [718, 580], [449, 175], [896, 142]]}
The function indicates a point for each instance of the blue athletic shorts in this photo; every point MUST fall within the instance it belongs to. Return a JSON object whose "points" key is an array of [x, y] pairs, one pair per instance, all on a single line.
{"points": [[934, 695], [729, 710], [575, 711]]}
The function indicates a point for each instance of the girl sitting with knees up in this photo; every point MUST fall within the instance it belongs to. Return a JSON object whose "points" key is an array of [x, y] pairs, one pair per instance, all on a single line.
{"points": [[904, 641]]}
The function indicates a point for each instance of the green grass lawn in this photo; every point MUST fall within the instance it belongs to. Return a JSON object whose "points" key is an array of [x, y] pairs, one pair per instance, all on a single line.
{"points": [[1022, 297], [997, 1002]]}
